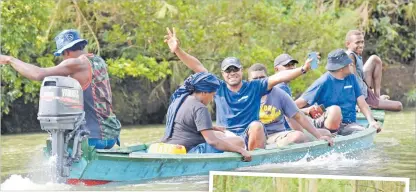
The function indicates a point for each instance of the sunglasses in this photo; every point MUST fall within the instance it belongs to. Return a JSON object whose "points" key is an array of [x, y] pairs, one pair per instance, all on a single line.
{"points": [[259, 77], [232, 69], [290, 64]]}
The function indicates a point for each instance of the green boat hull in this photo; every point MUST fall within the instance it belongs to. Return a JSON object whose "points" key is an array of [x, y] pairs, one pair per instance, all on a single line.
{"points": [[134, 164]]}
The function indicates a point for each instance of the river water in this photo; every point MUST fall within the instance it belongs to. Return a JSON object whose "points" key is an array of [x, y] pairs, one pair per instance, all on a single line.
{"points": [[393, 155]]}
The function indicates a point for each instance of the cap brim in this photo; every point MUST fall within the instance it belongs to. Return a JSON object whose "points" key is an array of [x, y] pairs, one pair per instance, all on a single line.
{"points": [[334, 67], [69, 45], [229, 65], [286, 62]]}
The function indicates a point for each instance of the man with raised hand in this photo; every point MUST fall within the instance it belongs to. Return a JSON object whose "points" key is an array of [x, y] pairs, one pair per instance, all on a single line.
{"points": [[237, 101]]}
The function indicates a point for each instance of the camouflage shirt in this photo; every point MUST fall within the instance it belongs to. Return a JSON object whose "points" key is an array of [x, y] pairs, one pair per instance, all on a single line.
{"points": [[101, 121]]}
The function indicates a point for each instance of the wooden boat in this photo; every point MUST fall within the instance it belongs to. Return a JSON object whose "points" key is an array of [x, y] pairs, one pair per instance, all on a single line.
{"points": [[135, 164]]}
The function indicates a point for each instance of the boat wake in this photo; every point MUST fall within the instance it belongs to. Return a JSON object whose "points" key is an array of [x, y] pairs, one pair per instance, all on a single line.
{"points": [[21, 183], [330, 161], [40, 177]]}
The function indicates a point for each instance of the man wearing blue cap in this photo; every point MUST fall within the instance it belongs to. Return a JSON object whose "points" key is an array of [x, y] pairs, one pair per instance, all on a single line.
{"points": [[237, 101], [188, 121], [91, 72], [338, 87]]}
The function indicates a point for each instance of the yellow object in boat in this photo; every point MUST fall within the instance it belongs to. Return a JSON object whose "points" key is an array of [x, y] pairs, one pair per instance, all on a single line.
{"points": [[165, 148]]}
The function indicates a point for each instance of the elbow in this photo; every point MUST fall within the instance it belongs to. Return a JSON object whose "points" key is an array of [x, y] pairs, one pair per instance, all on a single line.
{"points": [[38, 76]]}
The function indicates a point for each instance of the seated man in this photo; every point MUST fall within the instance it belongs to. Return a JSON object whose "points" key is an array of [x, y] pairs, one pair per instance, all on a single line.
{"points": [[275, 106], [338, 87], [188, 121], [91, 73], [368, 74], [285, 62], [237, 101]]}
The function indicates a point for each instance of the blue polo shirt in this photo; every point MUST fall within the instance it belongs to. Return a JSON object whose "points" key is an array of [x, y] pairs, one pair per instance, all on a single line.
{"points": [[236, 110], [328, 90]]}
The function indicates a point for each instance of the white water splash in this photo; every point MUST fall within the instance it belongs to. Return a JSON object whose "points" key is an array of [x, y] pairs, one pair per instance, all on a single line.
{"points": [[18, 182], [331, 161]]}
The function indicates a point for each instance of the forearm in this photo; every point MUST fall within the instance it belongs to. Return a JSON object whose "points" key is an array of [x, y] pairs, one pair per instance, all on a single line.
{"points": [[365, 109], [190, 61], [367, 113], [306, 124], [27, 70], [284, 76], [223, 145]]}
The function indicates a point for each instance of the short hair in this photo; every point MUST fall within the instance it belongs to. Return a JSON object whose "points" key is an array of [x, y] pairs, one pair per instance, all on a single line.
{"points": [[351, 33], [78, 46], [257, 67]]}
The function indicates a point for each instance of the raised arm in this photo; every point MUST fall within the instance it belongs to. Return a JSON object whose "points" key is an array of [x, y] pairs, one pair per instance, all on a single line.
{"points": [[190, 61], [33, 72], [288, 75]]}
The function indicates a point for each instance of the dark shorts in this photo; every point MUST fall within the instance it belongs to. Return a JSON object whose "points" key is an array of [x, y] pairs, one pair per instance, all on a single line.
{"points": [[344, 128], [204, 148], [372, 99], [245, 136]]}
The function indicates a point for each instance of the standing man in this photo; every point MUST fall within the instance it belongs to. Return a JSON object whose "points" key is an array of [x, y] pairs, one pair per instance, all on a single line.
{"points": [[91, 72], [369, 73], [237, 101]]}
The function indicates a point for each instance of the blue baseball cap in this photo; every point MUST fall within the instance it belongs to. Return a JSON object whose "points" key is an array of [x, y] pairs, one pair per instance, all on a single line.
{"points": [[337, 59], [66, 39]]}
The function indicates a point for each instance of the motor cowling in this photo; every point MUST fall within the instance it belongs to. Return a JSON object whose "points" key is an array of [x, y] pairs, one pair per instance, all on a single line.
{"points": [[61, 103]]}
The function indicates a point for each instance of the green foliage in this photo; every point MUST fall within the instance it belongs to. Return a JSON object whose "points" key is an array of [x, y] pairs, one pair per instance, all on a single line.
{"points": [[411, 96], [129, 35], [229, 183]]}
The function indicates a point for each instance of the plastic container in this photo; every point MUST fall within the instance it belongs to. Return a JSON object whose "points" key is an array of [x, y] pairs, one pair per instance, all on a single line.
{"points": [[165, 148]]}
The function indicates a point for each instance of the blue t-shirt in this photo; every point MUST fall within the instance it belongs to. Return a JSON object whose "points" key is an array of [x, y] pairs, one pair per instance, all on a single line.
{"points": [[236, 110], [328, 90], [278, 104], [285, 87]]}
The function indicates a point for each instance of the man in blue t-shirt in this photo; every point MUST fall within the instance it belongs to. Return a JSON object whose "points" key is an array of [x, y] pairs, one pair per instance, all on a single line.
{"points": [[237, 101], [277, 105], [338, 87]]}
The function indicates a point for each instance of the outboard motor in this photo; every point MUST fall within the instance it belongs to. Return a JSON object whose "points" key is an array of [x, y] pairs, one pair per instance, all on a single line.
{"points": [[61, 113]]}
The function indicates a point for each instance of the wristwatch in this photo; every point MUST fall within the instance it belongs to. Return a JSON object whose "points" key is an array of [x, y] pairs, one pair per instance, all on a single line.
{"points": [[303, 70]]}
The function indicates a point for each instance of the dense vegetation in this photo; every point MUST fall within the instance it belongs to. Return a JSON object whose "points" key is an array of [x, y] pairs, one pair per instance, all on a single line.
{"points": [[129, 36]]}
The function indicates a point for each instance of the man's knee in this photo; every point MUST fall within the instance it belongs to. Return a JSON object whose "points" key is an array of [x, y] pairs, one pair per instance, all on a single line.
{"points": [[375, 59], [256, 127], [334, 117], [297, 137]]}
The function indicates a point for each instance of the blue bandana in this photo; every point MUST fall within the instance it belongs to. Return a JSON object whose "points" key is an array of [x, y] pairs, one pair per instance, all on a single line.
{"points": [[201, 82]]}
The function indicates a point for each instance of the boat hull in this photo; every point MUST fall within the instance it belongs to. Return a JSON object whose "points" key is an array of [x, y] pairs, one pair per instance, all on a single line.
{"points": [[134, 164]]}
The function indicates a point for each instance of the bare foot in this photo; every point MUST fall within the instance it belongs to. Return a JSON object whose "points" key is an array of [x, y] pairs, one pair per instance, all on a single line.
{"points": [[384, 97]]}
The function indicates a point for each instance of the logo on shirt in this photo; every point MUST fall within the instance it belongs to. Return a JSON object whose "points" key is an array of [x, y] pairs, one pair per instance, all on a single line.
{"points": [[269, 114], [243, 98], [348, 87]]}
